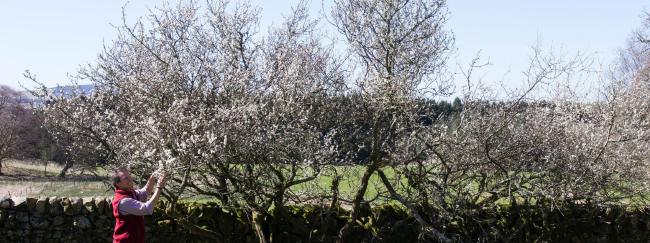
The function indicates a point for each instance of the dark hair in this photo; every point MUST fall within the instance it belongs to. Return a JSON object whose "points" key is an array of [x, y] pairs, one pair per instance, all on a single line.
{"points": [[115, 177]]}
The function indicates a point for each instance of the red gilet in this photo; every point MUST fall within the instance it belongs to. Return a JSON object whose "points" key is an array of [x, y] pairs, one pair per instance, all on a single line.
{"points": [[128, 228]]}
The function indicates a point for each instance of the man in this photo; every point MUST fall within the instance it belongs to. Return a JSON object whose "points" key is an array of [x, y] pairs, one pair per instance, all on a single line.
{"points": [[130, 205]]}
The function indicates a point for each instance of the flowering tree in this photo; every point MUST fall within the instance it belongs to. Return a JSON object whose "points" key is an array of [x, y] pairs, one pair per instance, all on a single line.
{"points": [[247, 119], [400, 50], [519, 150], [231, 115]]}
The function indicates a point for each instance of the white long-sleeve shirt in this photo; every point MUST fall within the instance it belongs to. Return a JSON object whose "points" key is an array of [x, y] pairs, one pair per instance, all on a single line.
{"points": [[136, 206]]}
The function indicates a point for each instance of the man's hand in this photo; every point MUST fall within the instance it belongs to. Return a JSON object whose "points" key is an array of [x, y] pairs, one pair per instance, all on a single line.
{"points": [[158, 191], [157, 173], [161, 181]]}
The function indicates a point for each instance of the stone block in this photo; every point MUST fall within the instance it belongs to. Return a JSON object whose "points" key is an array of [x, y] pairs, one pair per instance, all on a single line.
{"points": [[101, 223], [20, 203], [109, 208], [41, 205], [58, 221], [6, 202], [89, 204], [77, 203], [164, 225], [11, 221], [101, 204], [22, 217], [31, 203], [55, 206], [82, 222], [56, 236], [39, 235], [38, 222], [68, 209]]}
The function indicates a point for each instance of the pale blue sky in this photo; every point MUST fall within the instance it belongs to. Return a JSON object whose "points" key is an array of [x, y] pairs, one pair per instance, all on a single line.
{"points": [[52, 38]]}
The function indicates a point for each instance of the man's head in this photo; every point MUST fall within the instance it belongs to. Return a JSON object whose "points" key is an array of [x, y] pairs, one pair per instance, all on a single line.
{"points": [[122, 179]]}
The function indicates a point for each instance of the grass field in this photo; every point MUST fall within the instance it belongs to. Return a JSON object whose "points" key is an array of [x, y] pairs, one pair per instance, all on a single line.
{"points": [[349, 182], [37, 179]]}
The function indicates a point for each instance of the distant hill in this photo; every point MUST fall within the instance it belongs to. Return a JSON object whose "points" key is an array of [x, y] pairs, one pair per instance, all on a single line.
{"points": [[64, 91], [71, 90]]}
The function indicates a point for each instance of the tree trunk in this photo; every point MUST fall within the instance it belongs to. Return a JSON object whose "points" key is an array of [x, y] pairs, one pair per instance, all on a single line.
{"points": [[278, 223], [222, 189], [1, 166], [196, 230], [335, 192], [427, 228], [191, 227], [66, 167], [343, 233], [257, 226]]}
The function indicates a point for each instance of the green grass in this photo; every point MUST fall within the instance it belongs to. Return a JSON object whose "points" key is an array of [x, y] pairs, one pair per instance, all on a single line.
{"points": [[55, 188], [348, 184], [75, 189], [34, 168], [37, 179]]}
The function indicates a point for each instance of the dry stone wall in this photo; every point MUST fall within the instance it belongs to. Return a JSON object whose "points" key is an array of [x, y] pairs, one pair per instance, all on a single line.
{"points": [[90, 220], [64, 220], [55, 219]]}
